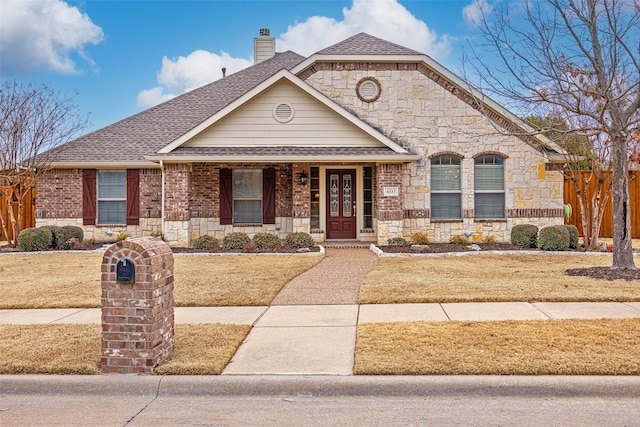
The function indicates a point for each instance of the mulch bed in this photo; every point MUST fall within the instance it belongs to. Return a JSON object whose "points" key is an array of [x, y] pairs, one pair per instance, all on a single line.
{"points": [[438, 248], [605, 273]]}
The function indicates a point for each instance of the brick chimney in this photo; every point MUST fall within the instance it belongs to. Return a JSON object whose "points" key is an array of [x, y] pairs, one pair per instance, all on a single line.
{"points": [[264, 47]]}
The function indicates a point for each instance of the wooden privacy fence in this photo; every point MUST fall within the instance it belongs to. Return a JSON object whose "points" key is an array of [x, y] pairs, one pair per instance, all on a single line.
{"points": [[29, 214], [606, 230]]}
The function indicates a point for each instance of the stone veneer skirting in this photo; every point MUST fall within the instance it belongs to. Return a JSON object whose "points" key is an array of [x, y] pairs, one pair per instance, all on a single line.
{"points": [[510, 213]]}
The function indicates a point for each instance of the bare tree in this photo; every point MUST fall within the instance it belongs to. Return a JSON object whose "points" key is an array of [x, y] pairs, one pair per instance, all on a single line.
{"points": [[34, 122], [579, 58]]}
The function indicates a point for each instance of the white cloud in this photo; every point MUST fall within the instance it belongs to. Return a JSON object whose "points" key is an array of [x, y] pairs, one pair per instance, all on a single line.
{"points": [[386, 19], [38, 34], [474, 12], [186, 73]]}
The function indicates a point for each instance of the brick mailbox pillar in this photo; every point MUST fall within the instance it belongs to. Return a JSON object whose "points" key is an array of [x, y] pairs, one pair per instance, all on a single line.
{"points": [[137, 306]]}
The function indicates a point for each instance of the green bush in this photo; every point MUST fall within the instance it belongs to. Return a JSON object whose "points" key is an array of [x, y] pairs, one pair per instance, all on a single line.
{"points": [[420, 238], [397, 241], [554, 238], [267, 241], [63, 235], [53, 229], [207, 243], [524, 236], [235, 241], [574, 238], [35, 239], [299, 240]]}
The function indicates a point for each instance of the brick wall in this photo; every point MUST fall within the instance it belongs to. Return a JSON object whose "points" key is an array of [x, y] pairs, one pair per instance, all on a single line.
{"points": [[176, 192], [388, 207], [150, 193], [59, 194], [301, 201]]}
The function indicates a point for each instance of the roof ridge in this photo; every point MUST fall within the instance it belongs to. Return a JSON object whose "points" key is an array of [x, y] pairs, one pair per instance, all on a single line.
{"points": [[364, 43]]}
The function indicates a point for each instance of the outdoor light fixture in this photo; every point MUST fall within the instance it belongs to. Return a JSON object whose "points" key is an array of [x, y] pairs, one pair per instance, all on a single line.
{"points": [[303, 178]]}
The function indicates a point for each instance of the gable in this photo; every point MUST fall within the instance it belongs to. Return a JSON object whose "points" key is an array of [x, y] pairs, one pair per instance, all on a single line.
{"points": [[264, 121]]}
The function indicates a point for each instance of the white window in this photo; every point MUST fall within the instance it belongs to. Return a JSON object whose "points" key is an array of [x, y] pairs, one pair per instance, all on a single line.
{"points": [[489, 186], [446, 196], [112, 197], [247, 196]]}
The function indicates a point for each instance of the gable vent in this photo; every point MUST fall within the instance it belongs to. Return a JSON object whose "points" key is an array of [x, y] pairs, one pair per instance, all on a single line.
{"points": [[283, 112], [368, 89]]}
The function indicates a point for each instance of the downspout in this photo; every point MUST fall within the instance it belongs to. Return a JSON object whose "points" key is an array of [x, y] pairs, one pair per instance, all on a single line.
{"points": [[162, 199]]}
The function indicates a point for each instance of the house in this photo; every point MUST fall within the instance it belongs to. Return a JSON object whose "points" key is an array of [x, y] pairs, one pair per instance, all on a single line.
{"points": [[365, 140]]}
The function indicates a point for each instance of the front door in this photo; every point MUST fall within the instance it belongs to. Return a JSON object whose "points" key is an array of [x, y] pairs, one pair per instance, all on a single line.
{"points": [[341, 204]]}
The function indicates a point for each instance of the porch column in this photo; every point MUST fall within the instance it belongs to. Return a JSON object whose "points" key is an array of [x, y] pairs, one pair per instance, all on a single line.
{"points": [[389, 214], [301, 210], [176, 204]]}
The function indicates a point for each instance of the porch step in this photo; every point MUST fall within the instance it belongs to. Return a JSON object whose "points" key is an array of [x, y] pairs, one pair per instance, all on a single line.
{"points": [[345, 244]]}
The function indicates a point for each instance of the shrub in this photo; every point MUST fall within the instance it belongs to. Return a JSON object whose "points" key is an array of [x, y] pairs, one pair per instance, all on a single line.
{"points": [[524, 236], [574, 239], [235, 241], [397, 241], [53, 229], [491, 240], [267, 241], [122, 236], [459, 240], [63, 235], [420, 238], [299, 240], [207, 243], [553, 238], [35, 239]]}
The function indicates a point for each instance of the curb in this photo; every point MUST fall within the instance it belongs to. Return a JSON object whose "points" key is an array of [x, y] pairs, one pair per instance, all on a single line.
{"points": [[396, 386]]}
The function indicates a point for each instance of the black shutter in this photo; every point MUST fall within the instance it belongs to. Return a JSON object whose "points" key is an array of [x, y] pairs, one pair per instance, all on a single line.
{"points": [[269, 196], [226, 196]]}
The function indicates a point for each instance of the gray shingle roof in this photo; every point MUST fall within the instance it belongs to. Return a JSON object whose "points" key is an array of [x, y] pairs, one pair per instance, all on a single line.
{"points": [[129, 140], [365, 44]]}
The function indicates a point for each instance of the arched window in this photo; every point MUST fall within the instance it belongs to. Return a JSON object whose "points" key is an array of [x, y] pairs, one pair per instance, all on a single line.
{"points": [[489, 186], [446, 185]]}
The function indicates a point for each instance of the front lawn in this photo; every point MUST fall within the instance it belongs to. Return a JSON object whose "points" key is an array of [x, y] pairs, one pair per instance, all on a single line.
{"points": [[72, 280], [491, 278]]}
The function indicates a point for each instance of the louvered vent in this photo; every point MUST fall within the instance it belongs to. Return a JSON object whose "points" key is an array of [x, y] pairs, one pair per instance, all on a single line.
{"points": [[368, 89], [283, 113]]}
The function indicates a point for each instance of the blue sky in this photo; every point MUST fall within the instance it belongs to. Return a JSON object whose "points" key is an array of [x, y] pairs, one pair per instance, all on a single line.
{"points": [[123, 56]]}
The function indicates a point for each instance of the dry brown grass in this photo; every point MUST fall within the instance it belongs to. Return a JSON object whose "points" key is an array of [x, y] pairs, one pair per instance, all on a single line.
{"points": [[490, 278], [235, 281], [203, 349], [50, 349], [545, 347], [65, 280], [76, 349], [45, 280]]}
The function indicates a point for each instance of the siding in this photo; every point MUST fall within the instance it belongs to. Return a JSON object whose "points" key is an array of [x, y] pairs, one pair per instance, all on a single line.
{"points": [[313, 124], [606, 230]]}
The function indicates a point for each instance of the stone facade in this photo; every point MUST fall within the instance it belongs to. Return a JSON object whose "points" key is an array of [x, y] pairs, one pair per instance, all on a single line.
{"points": [[428, 116]]}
